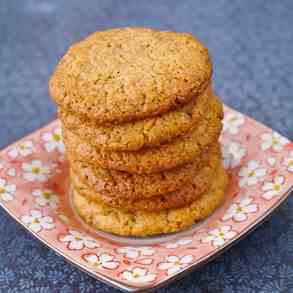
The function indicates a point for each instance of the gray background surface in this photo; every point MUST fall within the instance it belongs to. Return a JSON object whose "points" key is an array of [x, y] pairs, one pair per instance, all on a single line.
{"points": [[251, 43]]}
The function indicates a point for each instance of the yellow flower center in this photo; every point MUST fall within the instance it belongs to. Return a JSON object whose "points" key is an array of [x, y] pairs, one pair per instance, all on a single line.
{"points": [[239, 209], [290, 163], [221, 234], [232, 119], [98, 264], [177, 263], [22, 147], [36, 170], [277, 187], [251, 174], [135, 275], [35, 221], [46, 194], [56, 137], [275, 141], [77, 238], [2, 190]]}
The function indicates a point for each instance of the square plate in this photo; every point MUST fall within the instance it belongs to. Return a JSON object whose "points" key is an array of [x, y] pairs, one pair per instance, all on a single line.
{"points": [[34, 190]]}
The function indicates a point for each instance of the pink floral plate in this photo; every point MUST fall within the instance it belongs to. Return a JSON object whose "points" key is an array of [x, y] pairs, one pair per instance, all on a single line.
{"points": [[34, 190]]}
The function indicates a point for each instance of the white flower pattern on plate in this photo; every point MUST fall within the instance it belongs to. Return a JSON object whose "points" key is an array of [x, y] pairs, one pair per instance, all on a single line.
{"points": [[176, 244], [46, 197], [78, 241], [273, 188], [102, 261], [36, 221], [219, 236], [138, 275], [135, 252], [239, 211], [232, 154], [271, 161], [251, 174], [273, 141], [53, 140], [174, 263], [288, 162], [11, 172], [6, 190], [35, 171], [232, 123], [23, 149]]}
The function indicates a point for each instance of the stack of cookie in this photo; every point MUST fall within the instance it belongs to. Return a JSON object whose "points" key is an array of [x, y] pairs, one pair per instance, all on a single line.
{"points": [[141, 126]]}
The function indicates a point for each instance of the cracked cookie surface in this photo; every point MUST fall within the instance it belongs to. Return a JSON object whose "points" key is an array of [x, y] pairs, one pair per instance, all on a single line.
{"points": [[180, 151], [126, 74], [143, 223], [122, 185], [178, 198], [135, 135]]}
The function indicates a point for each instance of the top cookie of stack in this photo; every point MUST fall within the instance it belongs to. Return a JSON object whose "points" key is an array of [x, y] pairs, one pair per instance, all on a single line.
{"points": [[125, 75], [141, 127]]}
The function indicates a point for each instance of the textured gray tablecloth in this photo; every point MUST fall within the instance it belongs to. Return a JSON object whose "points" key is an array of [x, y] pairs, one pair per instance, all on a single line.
{"points": [[251, 43]]}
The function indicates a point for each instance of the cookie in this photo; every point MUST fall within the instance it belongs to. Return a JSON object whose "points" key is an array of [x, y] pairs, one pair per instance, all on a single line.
{"points": [[180, 151], [133, 136], [178, 198], [142, 223], [112, 183], [130, 73]]}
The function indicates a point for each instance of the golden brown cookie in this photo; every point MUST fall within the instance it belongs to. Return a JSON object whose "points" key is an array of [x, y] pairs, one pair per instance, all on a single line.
{"points": [[133, 136], [180, 151], [178, 198], [130, 73], [112, 183], [142, 223]]}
